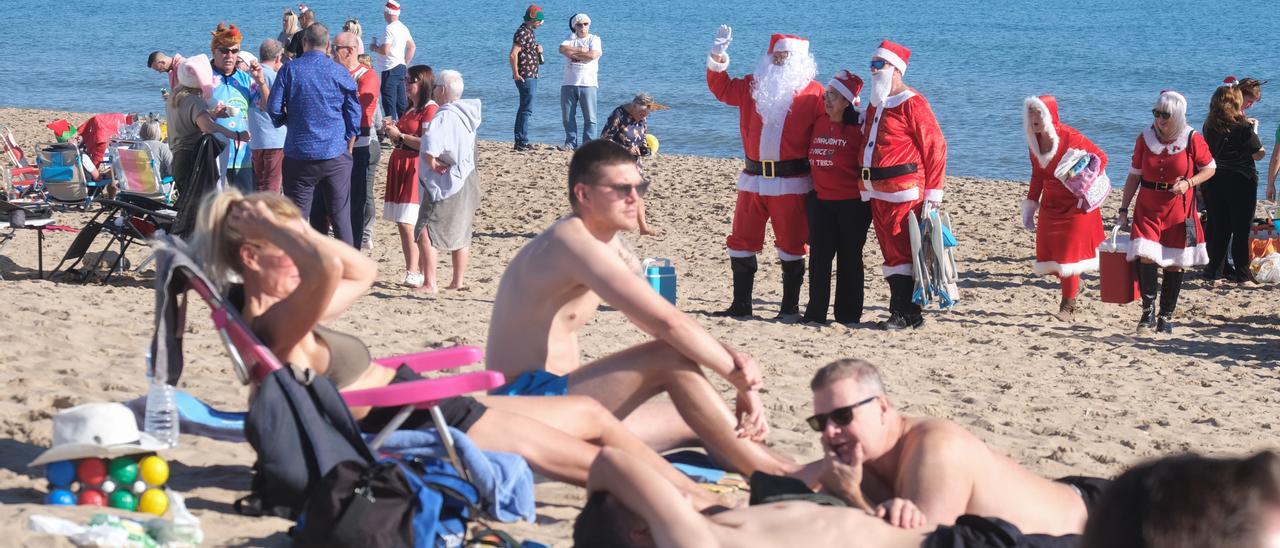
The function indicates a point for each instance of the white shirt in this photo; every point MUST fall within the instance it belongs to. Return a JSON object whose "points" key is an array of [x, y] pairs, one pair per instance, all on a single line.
{"points": [[578, 73], [394, 39]]}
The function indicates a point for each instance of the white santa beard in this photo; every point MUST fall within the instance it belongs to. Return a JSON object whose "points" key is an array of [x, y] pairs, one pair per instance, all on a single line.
{"points": [[773, 87], [881, 85]]}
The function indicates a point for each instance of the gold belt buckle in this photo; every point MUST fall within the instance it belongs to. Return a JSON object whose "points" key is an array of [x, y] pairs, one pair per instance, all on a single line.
{"points": [[866, 174], [767, 169]]}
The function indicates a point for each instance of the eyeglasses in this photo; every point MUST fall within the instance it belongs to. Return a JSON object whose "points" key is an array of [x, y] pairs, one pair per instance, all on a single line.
{"points": [[878, 64], [622, 191], [842, 416], [229, 51], [340, 48], [1161, 114]]}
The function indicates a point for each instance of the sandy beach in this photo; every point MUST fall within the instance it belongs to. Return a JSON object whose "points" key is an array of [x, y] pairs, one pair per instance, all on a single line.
{"points": [[1062, 399]]}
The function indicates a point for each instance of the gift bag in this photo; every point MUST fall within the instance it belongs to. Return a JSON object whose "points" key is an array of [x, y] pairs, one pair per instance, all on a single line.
{"points": [[1118, 280]]}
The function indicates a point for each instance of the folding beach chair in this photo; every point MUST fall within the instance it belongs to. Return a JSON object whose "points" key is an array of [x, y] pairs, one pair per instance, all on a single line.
{"points": [[128, 220], [63, 179], [136, 172], [19, 175]]}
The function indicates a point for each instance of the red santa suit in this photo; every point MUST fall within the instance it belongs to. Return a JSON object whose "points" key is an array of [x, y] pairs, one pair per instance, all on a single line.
{"points": [[1067, 237], [764, 196], [1159, 216]]}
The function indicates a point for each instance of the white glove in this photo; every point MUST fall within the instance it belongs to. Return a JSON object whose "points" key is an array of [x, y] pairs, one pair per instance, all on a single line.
{"points": [[1029, 208], [724, 35]]}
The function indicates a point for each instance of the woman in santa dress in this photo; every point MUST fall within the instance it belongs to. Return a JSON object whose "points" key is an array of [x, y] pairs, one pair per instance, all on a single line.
{"points": [[1169, 161], [400, 203], [1067, 236]]}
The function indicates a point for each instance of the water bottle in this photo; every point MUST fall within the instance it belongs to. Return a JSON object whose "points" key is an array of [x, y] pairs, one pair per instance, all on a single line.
{"points": [[161, 419]]}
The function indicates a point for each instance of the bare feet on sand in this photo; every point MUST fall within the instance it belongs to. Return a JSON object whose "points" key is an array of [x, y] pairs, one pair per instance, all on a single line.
{"points": [[426, 289]]}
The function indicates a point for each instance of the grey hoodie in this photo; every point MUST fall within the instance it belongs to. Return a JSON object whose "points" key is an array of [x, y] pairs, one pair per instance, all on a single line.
{"points": [[451, 139]]}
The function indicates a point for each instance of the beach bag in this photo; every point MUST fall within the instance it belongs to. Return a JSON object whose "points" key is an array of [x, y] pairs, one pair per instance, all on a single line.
{"points": [[1118, 279], [360, 505], [1081, 172], [1266, 269]]}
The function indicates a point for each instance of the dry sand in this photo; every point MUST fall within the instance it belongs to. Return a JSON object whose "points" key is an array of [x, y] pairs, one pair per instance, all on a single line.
{"points": [[1062, 399]]}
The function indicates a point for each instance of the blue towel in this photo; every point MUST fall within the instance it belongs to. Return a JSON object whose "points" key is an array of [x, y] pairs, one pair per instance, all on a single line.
{"points": [[696, 465], [503, 479]]}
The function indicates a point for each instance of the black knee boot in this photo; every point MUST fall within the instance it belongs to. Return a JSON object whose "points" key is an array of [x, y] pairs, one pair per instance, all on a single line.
{"points": [[792, 281], [1147, 287], [903, 313], [744, 277], [1168, 300]]}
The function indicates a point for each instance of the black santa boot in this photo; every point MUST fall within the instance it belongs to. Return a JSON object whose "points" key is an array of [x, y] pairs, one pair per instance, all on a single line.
{"points": [[744, 278], [903, 313], [792, 281], [1168, 300], [1147, 287]]}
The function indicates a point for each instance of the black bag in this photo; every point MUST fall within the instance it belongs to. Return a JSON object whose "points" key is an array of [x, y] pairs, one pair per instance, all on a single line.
{"points": [[359, 505], [17, 214], [300, 431]]}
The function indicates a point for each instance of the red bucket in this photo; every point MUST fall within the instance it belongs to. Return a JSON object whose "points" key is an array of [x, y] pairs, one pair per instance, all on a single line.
{"points": [[1119, 281]]}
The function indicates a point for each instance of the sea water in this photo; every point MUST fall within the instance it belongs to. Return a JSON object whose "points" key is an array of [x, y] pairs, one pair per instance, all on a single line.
{"points": [[975, 61]]}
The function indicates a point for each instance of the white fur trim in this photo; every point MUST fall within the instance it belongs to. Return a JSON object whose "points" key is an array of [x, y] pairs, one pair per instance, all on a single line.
{"points": [[787, 256], [893, 101], [902, 269], [714, 66], [1068, 269], [844, 90], [400, 213], [1032, 143], [740, 254], [900, 197], [796, 46], [771, 140], [892, 58], [1135, 171], [1156, 147], [777, 186], [1213, 164], [933, 195], [1180, 257]]}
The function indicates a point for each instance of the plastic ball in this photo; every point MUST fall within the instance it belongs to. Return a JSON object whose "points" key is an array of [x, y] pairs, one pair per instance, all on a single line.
{"points": [[153, 501], [61, 497], [108, 486], [124, 500], [155, 471], [91, 471], [139, 486], [651, 141], [60, 473], [92, 497], [123, 469]]}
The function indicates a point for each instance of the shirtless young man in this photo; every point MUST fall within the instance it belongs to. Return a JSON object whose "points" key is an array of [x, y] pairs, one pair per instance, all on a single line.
{"points": [[552, 288], [944, 470]]}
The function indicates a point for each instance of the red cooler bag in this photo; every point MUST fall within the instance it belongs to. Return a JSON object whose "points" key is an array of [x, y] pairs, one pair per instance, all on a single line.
{"points": [[1119, 282]]}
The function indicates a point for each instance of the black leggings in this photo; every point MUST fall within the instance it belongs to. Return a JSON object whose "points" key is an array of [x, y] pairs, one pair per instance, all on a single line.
{"points": [[1230, 199], [837, 230]]}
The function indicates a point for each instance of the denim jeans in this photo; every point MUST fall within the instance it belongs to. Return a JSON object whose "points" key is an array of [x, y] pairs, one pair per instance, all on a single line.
{"points": [[571, 97], [394, 101], [525, 110]]}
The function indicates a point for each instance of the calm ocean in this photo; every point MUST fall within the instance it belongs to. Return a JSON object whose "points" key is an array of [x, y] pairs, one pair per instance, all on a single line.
{"points": [[975, 61]]}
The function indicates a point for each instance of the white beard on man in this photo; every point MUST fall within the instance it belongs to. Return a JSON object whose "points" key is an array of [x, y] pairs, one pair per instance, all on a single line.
{"points": [[773, 87], [881, 85]]}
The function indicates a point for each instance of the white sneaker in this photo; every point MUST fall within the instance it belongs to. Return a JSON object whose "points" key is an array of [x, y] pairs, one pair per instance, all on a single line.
{"points": [[414, 279]]}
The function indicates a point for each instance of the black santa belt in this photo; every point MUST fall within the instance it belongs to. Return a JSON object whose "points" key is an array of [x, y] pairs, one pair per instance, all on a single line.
{"points": [[887, 172], [780, 168], [1157, 186]]}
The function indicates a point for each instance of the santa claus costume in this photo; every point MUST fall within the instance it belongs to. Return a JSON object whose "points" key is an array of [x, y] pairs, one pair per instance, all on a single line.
{"points": [[1169, 161], [904, 161], [777, 105], [1067, 236]]}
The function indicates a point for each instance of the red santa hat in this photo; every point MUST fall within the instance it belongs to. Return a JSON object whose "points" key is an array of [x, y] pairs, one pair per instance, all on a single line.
{"points": [[894, 54], [392, 7], [1230, 81], [849, 85], [788, 42]]}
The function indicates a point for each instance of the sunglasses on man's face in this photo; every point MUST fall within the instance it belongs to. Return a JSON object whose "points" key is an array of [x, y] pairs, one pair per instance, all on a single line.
{"points": [[229, 51], [1161, 114], [878, 64], [842, 416], [622, 191]]}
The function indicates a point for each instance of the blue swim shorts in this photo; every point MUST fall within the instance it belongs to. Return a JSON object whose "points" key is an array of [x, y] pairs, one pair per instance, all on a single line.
{"points": [[534, 383]]}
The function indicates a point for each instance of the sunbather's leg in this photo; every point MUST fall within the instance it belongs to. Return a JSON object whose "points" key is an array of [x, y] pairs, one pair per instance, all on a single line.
{"points": [[549, 452], [659, 424], [626, 380]]}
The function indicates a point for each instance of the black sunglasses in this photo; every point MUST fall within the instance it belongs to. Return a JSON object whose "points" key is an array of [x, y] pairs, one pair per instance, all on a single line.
{"points": [[228, 51], [878, 64], [625, 190], [1161, 114], [842, 416]]}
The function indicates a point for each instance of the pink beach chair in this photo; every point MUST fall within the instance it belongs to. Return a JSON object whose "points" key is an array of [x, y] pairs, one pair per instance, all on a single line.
{"points": [[20, 176]]}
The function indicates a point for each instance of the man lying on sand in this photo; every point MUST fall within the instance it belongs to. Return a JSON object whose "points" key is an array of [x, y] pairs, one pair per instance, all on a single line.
{"points": [[552, 288], [872, 451]]}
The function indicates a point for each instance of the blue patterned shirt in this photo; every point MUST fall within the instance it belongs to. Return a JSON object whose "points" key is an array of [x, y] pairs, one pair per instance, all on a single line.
{"points": [[316, 97]]}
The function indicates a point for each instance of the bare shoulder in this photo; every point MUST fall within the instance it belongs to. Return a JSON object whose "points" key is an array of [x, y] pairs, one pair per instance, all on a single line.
{"points": [[940, 437]]}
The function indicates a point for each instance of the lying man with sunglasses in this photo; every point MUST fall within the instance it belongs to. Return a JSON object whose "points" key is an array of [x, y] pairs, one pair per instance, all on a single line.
{"points": [[551, 290], [876, 457]]}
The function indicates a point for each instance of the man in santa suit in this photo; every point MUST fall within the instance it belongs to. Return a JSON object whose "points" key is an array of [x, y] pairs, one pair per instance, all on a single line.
{"points": [[777, 106], [904, 161]]}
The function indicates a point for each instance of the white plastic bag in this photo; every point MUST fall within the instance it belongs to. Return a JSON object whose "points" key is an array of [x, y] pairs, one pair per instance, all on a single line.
{"points": [[1266, 269]]}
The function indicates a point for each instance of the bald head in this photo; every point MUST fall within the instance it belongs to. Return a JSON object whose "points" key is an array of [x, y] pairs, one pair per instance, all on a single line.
{"points": [[346, 39], [346, 49]]}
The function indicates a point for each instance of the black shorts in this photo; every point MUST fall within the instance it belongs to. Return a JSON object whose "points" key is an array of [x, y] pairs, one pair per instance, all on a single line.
{"points": [[460, 412]]}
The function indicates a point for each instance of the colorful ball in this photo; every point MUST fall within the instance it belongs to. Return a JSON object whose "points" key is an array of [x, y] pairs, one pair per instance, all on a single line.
{"points": [[123, 469], [139, 486], [92, 497], [124, 500], [155, 471], [61, 497], [154, 501], [60, 473], [91, 471], [108, 486]]}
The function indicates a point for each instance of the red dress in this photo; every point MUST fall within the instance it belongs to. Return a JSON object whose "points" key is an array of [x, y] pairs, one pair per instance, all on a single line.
{"points": [[400, 203], [1067, 237], [1159, 216]]}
